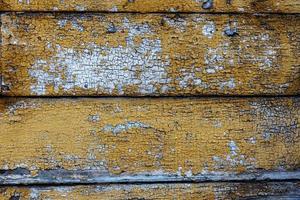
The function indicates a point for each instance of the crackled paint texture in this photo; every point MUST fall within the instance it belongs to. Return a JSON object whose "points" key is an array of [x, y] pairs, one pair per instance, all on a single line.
{"points": [[205, 191], [147, 139], [249, 6], [141, 55]]}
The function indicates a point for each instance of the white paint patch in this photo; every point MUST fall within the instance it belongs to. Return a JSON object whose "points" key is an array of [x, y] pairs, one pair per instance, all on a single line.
{"points": [[233, 148], [76, 25], [105, 68], [172, 10], [80, 8], [189, 173], [189, 78], [216, 59], [119, 128], [177, 23], [209, 29], [20, 105], [94, 118], [114, 9], [229, 84], [276, 120], [217, 124], [213, 69], [34, 193], [269, 51], [252, 140], [24, 2], [234, 158], [62, 22]]}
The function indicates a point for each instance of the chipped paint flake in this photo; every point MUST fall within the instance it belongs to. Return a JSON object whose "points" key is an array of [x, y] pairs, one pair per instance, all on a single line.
{"points": [[228, 84], [105, 68], [191, 77], [119, 128], [177, 22], [209, 29]]}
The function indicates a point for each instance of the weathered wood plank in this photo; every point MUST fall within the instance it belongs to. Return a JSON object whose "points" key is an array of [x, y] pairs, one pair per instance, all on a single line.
{"points": [[150, 54], [268, 190], [148, 140], [244, 6]]}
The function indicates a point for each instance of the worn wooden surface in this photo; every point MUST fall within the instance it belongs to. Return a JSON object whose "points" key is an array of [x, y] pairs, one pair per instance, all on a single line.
{"points": [[240, 6], [208, 191], [150, 54], [127, 140]]}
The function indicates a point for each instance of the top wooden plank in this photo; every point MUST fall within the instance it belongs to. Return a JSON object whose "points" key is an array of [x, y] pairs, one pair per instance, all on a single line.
{"points": [[240, 6], [149, 54]]}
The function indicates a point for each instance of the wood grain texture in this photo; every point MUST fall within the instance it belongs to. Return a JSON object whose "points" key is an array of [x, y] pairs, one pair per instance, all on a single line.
{"points": [[240, 6], [146, 140], [150, 54], [204, 191]]}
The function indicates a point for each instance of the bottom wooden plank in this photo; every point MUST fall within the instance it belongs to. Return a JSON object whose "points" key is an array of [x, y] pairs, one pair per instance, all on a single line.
{"points": [[263, 190]]}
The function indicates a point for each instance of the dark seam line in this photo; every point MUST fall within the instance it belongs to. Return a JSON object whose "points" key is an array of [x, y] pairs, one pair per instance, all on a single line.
{"points": [[145, 13], [83, 183]]}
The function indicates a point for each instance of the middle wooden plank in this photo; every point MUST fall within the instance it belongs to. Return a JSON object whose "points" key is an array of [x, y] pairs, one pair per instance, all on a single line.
{"points": [[150, 54], [119, 139]]}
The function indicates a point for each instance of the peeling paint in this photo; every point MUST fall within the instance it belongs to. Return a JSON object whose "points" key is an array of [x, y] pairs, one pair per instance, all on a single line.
{"points": [[190, 78], [151, 135], [284, 128], [229, 84], [189, 191], [148, 55], [218, 6], [209, 29], [105, 68], [124, 127], [176, 22]]}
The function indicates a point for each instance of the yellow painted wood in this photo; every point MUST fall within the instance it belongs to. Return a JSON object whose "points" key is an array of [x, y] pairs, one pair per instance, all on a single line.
{"points": [[205, 191], [240, 6], [108, 140], [150, 54]]}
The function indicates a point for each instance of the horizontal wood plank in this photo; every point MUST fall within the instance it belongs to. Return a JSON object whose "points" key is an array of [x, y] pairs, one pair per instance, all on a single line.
{"points": [[204, 191], [146, 140], [150, 54], [244, 6]]}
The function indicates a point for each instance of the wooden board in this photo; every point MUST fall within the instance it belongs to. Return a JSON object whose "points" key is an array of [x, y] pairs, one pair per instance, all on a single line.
{"points": [[141, 55], [208, 191], [240, 6], [147, 140]]}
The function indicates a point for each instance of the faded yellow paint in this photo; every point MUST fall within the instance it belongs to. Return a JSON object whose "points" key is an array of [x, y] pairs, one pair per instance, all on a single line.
{"points": [[150, 136], [204, 191], [137, 55], [244, 6]]}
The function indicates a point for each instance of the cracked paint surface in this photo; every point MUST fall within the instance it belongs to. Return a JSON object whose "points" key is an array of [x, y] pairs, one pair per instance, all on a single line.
{"points": [[206, 191], [245, 6], [148, 138], [145, 55]]}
